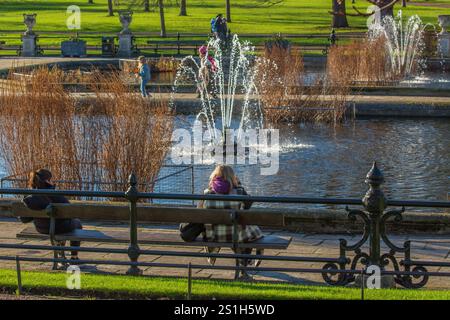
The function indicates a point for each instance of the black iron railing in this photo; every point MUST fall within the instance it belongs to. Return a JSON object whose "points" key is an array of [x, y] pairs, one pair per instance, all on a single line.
{"points": [[397, 263]]}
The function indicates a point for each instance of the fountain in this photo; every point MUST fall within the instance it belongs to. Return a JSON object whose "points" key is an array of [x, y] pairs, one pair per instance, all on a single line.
{"points": [[404, 43], [230, 89]]}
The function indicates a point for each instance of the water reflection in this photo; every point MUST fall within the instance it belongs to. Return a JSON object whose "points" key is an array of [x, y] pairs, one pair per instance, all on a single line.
{"points": [[324, 161]]}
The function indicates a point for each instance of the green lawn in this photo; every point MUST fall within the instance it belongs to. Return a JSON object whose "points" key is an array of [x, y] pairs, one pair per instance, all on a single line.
{"points": [[115, 286], [248, 16]]}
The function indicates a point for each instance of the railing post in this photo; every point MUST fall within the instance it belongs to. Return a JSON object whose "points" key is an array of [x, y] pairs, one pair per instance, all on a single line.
{"points": [[374, 219], [375, 202], [189, 294], [234, 220], [19, 276], [133, 249]]}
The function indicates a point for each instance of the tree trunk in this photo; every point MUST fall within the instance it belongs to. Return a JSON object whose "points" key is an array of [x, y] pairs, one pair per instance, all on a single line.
{"points": [[110, 8], [340, 14], [161, 18], [146, 5], [228, 11], [91, 1], [387, 12], [183, 11]]}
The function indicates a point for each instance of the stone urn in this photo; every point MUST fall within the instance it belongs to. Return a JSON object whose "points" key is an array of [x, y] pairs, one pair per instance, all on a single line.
{"points": [[30, 21], [125, 19], [444, 22], [444, 36]]}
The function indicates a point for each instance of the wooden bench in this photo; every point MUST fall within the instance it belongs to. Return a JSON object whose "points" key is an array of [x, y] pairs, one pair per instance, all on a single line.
{"points": [[150, 214], [176, 45]]}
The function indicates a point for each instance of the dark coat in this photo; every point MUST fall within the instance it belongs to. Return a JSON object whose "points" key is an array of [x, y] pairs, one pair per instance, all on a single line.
{"points": [[38, 202]]}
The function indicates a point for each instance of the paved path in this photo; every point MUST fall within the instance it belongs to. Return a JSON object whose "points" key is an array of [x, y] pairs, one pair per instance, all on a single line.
{"points": [[432, 247], [366, 99]]}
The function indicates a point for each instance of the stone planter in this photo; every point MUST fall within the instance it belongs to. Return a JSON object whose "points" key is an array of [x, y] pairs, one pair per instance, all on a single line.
{"points": [[444, 36], [73, 48], [444, 22]]}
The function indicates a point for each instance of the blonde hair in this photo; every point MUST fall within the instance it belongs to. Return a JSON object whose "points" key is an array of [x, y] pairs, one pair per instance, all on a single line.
{"points": [[142, 59], [226, 173]]}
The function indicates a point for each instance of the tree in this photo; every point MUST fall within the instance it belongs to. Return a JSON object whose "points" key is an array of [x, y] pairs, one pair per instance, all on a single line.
{"points": [[228, 10], [339, 11], [161, 18], [183, 11], [339, 14], [110, 8], [91, 1], [146, 5]]}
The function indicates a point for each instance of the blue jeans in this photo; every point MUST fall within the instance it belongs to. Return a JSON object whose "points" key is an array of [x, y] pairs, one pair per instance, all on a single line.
{"points": [[143, 90]]}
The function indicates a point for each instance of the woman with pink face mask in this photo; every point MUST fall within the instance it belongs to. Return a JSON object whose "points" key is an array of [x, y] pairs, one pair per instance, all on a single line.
{"points": [[223, 181]]}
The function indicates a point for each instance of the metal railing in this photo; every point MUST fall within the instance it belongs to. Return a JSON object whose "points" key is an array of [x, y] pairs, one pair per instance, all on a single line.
{"points": [[353, 259], [173, 178], [177, 43]]}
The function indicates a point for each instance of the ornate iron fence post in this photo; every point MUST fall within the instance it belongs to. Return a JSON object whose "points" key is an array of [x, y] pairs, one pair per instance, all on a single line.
{"points": [[133, 249], [374, 202], [374, 220]]}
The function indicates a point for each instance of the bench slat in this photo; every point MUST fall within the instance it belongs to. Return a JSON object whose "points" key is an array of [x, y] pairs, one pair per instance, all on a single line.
{"points": [[149, 213], [144, 237]]}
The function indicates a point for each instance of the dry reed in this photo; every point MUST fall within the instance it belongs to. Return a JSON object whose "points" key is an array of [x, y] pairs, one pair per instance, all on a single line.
{"points": [[364, 61], [286, 98], [95, 149]]}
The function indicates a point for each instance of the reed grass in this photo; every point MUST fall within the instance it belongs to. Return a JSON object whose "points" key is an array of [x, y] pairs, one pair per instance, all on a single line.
{"points": [[286, 98], [363, 61], [367, 62], [96, 148]]}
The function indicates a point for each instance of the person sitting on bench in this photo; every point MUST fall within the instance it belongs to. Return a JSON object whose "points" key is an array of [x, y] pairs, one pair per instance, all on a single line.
{"points": [[41, 180], [224, 181]]}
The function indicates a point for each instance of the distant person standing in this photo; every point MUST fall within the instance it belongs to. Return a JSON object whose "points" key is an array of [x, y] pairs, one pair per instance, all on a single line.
{"points": [[144, 75], [221, 27], [214, 27]]}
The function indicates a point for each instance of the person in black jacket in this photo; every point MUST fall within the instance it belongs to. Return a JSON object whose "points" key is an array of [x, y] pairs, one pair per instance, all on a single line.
{"points": [[41, 180]]}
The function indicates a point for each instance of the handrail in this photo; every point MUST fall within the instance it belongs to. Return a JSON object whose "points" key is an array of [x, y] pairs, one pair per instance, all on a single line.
{"points": [[374, 218], [262, 199], [175, 35]]}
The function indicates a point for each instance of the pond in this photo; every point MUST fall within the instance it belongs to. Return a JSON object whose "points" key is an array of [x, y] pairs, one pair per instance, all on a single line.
{"points": [[325, 161], [318, 160]]}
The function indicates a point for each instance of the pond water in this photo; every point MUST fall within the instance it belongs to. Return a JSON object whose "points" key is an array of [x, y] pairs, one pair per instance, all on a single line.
{"points": [[332, 161], [326, 161], [320, 160]]}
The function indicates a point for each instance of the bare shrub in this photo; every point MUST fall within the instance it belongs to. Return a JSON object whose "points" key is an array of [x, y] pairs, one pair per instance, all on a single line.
{"points": [[285, 96], [363, 61], [137, 131], [36, 127], [95, 148]]}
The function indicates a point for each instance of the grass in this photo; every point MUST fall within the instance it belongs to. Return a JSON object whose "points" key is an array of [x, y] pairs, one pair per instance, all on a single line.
{"points": [[249, 16], [118, 286]]}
